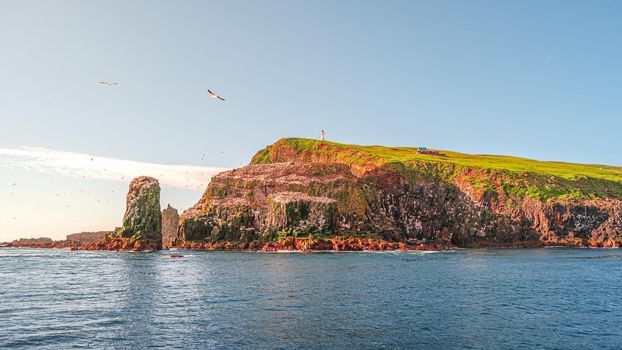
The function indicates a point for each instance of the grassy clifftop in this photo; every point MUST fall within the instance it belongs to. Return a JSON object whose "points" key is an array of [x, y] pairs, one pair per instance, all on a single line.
{"points": [[511, 175]]}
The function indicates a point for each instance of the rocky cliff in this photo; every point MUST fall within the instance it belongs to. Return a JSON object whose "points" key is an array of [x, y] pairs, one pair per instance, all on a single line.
{"points": [[299, 187], [142, 222], [170, 223]]}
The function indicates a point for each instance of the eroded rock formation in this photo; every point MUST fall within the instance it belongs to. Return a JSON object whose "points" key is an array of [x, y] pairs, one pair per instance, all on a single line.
{"points": [[250, 202], [142, 222], [297, 209], [291, 189], [170, 224]]}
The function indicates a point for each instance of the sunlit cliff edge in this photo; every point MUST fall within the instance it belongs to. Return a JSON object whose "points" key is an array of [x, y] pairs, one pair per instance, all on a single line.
{"points": [[299, 187]]}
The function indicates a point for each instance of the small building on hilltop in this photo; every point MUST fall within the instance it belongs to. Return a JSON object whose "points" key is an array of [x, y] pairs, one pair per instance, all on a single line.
{"points": [[425, 150]]}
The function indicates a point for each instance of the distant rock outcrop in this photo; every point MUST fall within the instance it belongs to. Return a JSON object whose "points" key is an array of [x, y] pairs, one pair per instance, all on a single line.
{"points": [[170, 223], [142, 222], [35, 240], [41, 242], [87, 237]]}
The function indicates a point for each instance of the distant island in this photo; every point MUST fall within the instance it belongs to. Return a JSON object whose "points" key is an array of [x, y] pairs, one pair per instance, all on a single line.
{"points": [[87, 237], [303, 194]]}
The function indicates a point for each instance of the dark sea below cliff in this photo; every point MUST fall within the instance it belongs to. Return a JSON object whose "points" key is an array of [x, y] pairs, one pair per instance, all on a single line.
{"points": [[554, 298]]}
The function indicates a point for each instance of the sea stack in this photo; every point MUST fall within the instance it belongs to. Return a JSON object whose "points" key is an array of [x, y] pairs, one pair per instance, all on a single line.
{"points": [[142, 222], [170, 223]]}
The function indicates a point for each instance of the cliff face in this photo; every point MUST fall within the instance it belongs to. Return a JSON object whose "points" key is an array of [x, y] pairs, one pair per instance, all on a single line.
{"points": [[170, 222], [142, 222], [257, 200], [309, 187]]}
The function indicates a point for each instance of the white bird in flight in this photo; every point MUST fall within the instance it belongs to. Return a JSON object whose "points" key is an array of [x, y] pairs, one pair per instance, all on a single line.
{"points": [[215, 95], [108, 83]]}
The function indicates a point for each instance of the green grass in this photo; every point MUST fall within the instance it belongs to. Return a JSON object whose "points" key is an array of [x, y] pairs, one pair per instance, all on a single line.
{"points": [[513, 175]]}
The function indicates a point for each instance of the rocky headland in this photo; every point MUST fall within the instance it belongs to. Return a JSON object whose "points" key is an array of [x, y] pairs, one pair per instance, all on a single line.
{"points": [[310, 195], [299, 187]]}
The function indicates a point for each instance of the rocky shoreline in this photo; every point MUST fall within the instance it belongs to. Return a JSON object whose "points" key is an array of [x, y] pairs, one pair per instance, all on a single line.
{"points": [[308, 195], [302, 245], [334, 244]]}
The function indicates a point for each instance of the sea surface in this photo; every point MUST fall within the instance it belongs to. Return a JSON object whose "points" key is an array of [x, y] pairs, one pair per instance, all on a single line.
{"points": [[554, 298]]}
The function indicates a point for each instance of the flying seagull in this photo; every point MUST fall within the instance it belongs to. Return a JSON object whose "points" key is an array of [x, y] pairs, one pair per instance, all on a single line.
{"points": [[215, 95], [108, 83]]}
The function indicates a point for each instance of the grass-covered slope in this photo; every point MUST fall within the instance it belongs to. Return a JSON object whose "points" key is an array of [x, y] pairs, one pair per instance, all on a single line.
{"points": [[511, 175]]}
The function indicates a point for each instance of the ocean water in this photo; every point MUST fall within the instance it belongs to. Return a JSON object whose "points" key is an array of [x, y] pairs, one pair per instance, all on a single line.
{"points": [[467, 299]]}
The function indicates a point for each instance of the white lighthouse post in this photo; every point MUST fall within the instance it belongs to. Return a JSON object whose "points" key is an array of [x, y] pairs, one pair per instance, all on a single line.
{"points": [[322, 135]]}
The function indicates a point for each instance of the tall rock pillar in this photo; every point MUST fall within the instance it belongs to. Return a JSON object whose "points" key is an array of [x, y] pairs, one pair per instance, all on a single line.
{"points": [[170, 224], [142, 222]]}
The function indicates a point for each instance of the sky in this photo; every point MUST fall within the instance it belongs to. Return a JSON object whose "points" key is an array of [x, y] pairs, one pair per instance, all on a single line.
{"points": [[536, 79]]}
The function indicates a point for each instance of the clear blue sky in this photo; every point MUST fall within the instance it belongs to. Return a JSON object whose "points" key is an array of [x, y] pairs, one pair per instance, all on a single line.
{"points": [[539, 79]]}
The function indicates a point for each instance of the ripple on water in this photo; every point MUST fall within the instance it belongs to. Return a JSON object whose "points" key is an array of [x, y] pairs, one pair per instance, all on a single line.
{"points": [[479, 299]]}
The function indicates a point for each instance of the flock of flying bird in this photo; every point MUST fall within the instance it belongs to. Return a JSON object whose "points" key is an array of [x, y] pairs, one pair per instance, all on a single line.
{"points": [[212, 93]]}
